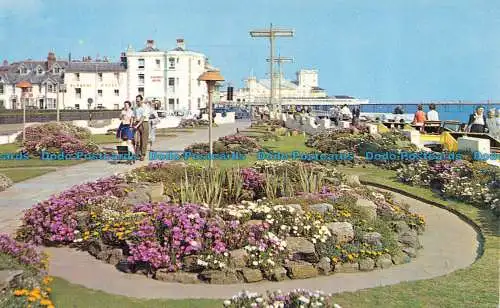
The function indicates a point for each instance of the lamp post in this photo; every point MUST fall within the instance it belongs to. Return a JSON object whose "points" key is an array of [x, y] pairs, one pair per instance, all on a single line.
{"points": [[25, 87], [211, 77], [89, 102]]}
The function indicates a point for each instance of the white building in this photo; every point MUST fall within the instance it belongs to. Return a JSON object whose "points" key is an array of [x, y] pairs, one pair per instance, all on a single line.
{"points": [[305, 86], [104, 83], [170, 77]]}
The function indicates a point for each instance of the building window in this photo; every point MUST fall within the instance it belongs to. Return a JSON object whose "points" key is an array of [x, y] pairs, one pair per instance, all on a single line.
{"points": [[199, 62], [2, 89], [100, 76], [77, 106], [141, 64], [99, 106], [171, 103], [116, 106], [99, 93], [23, 70], [199, 103], [117, 76], [199, 83], [77, 76], [141, 78], [39, 71], [78, 93], [56, 69], [117, 92], [50, 88], [177, 102], [171, 63], [158, 63], [171, 81], [141, 90], [2, 104]]}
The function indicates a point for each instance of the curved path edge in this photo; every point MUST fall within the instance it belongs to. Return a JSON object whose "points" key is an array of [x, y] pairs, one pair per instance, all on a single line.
{"points": [[450, 243]]}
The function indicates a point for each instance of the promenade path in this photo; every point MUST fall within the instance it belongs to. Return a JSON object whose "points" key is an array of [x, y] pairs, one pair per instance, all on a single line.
{"points": [[449, 243], [25, 194]]}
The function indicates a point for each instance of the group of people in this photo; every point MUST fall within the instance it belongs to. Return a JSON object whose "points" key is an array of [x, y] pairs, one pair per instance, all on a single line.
{"points": [[478, 122], [141, 119], [344, 114]]}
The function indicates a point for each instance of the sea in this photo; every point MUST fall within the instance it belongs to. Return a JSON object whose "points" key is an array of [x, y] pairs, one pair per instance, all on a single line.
{"points": [[448, 111]]}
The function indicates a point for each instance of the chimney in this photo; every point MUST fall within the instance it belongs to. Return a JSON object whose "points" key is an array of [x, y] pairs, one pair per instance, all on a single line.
{"points": [[181, 44], [150, 44], [51, 59], [123, 59]]}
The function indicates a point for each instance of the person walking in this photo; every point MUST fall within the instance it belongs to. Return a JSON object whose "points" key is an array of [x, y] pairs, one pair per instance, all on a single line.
{"points": [[491, 123], [153, 122], [477, 121], [142, 125], [125, 131]]}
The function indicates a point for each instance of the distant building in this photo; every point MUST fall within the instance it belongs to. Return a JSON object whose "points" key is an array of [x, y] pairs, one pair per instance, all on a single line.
{"points": [[103, 82], [305, 86], [45, 76], [170, 77]]}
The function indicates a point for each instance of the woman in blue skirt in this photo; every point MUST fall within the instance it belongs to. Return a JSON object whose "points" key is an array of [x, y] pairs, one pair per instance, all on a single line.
{"points": [[125, 131]]}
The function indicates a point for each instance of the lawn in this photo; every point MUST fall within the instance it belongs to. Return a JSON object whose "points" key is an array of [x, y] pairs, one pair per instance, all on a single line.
{"points": [[21, 174], [475, 286], [104, 139]]}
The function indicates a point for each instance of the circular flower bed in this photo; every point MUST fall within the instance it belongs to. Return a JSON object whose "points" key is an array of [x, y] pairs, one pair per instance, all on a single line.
{"points": [[293, 299], [189, 224], [56, 137], [227, 144], [192, 123]]}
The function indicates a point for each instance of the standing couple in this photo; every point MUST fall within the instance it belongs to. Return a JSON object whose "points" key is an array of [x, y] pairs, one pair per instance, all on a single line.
{"points": [[141, 120]]}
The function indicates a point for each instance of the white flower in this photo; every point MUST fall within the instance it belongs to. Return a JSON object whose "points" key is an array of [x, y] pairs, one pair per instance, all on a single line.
{"points": [[226, 254], [227, 302], [78, 240], [76, 232], [259, 300], [255, 263], [304, 299]]}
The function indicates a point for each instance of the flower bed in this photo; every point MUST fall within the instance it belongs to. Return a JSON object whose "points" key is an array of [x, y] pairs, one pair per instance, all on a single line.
{"points": [[193, 123], [227, 144], [5, 182], [271, 221], [471, 182], [28, 281], [293, 299], [56, 137]]}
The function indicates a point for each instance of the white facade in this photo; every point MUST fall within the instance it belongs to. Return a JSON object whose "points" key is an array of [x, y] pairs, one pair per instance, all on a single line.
{"points": [[170, 77], [104, 83]]}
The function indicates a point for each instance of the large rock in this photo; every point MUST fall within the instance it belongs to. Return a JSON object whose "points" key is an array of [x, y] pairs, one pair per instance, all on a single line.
{"points": [[368, 207], [301, 249], [346, 267], [411, 252], [366, 264], [410, 239], [324, 265], [8, 278], [321, 207], [238, 258], [372, 238], [219, 277], [297, 208], [384, 261], [400, 226], [353, 180], [343, 231], [400, 258], [182, 277], [276, 274], [155, 192], [83, 219], [301, 270], [137, 196], [251, 274], [190, 264], [115, 256], [95, 247]]}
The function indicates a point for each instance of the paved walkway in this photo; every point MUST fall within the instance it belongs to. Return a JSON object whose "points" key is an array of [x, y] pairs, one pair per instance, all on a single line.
{"points": [[449, 244], [25, 194]]}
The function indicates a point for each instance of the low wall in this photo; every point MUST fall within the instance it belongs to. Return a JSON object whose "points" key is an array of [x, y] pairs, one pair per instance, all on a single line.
{"points": [[219, 119], [16, 116]]}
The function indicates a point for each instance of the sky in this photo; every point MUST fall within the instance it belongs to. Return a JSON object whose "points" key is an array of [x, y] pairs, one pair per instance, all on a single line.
{"points": [[386, 51]]}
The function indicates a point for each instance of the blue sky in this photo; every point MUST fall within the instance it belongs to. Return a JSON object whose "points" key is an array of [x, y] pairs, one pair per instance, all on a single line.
{"points": [[386, 50]]}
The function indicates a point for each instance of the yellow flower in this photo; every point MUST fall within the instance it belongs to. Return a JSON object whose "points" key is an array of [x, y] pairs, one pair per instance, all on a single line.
{"points": [[20, 292], [47, 280], [45, 302], [31, 299], [350, 257], [48, 290], [51, 306]]}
